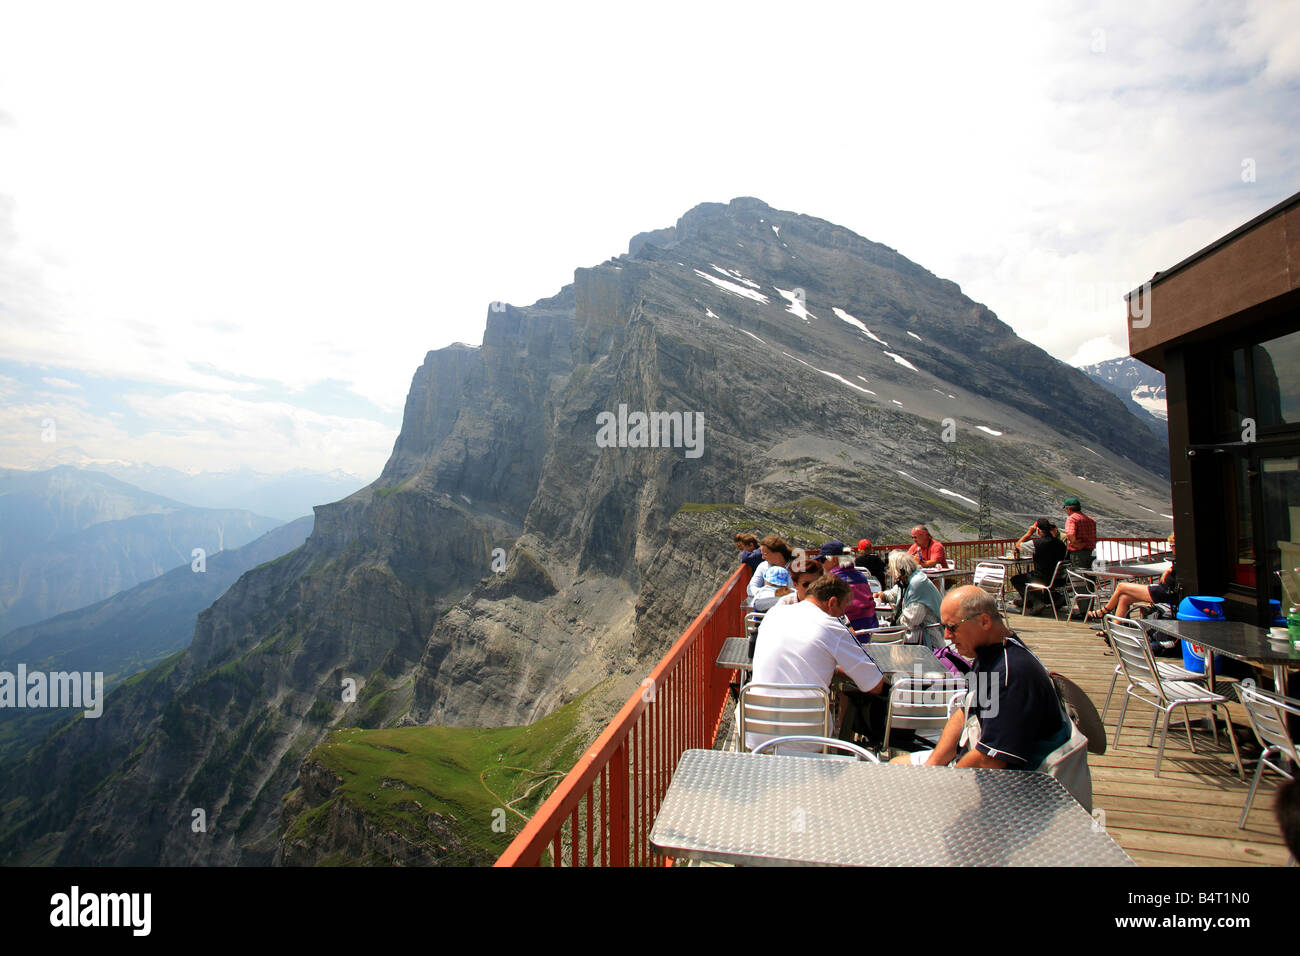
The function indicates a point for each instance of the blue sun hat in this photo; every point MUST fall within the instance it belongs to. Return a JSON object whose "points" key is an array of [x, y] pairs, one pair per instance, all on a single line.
{"points": [[777, 578]]}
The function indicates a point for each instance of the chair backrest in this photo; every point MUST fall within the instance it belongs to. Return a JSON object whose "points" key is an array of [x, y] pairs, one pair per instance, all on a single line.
{"points": [[921, 703], [1268, 712], [890, 634], [782, 710], [1130, 643], [859, 753], [987, 570], [1080, 586], [1056, 575]]}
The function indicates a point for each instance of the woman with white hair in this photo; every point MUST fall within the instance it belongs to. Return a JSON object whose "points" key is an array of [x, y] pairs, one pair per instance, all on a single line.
{"points": [[915, 599]]}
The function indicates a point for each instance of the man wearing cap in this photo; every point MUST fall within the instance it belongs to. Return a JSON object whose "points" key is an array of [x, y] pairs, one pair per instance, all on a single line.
{"points": [[1080, 535], [1049, 550], [861, 610], [928, 552], [866, 558]]}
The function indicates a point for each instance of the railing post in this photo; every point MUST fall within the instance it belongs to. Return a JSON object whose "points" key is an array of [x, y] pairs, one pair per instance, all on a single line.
{"points": [[620, 834]]}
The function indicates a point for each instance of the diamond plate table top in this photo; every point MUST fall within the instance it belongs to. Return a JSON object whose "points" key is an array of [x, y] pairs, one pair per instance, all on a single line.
{"points": [[735, 654], [1232, 638], [759, 809], [904, 659]]}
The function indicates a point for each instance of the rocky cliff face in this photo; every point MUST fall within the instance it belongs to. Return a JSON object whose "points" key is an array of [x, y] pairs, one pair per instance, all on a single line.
{"points": [[825, 367]]}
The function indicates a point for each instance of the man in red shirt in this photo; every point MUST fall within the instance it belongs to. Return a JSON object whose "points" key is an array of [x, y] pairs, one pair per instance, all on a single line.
{"points": [[1080, 535], [927, 551]]}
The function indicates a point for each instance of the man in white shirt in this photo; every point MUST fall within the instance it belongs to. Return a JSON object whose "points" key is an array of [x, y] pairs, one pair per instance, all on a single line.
{"points": [[804, 643]]}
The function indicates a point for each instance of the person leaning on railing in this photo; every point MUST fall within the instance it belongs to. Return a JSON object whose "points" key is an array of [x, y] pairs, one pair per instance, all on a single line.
{"points": [[747, 545]]}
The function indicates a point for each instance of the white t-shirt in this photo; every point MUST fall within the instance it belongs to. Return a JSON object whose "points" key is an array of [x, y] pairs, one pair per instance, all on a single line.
{"points": [[756, 579], [802, 644]]}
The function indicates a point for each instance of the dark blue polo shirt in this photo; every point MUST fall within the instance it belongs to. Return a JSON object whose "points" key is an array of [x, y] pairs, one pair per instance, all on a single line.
{"points": [[1020, 716]]}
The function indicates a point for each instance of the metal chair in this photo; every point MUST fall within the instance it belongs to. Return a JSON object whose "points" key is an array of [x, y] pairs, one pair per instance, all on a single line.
{"points": [[1268, 713], [1168, 670], [782, 710], [1047, 588], [1081, 589], [992, 579], [859, 753], [889, 634], [921, 704], [1130, 643]]}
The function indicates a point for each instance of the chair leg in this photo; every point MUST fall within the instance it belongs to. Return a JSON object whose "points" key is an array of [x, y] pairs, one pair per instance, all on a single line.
{"points": [[1164, 735], [1236, 751], [1114, 679], [1250, 795], [1214, 724], [1123, 706], [1151, 737], [1187, 725]]}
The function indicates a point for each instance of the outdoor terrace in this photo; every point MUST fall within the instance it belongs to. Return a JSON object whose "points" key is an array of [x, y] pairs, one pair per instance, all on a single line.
{"points": [[602, 813]]}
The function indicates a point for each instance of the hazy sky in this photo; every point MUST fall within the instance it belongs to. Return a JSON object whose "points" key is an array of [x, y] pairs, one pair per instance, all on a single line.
{"points": [[229, 232]]}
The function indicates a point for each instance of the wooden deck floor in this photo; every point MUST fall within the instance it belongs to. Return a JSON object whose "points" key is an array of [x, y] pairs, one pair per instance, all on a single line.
{"points": [[1188, 815]]}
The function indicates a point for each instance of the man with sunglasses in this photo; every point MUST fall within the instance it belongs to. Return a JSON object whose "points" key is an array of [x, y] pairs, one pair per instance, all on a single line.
{"points": [[1011, 716]]}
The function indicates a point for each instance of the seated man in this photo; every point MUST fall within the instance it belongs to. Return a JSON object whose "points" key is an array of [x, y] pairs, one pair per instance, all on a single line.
{"points": [[804, 643], [872, 562], [1049, 550], [1012, 717], [928, 552], [861, 610]]}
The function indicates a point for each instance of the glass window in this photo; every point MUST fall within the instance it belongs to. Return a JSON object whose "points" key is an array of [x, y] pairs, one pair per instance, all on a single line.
{"points": [[1280, 481], [1231, 403], [1277, 380]]}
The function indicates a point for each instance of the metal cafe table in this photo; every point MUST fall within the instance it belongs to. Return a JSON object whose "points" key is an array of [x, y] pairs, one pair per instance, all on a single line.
{"points": [[905, 660], [773, 810], [735, 654], [1245, 642]]}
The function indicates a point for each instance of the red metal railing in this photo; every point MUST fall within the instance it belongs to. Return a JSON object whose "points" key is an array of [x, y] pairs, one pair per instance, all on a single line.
{"points": [[610, 798], [965, 554]]}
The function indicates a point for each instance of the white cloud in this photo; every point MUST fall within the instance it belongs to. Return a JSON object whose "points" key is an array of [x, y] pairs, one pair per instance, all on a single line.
{"points": [[165, 218], [54, 382]]}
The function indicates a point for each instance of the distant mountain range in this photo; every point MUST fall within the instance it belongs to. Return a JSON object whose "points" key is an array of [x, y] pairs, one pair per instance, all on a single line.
{"points": [[69, 538], [1138, 385], [844, 391], [130, 631], [285, 495]]}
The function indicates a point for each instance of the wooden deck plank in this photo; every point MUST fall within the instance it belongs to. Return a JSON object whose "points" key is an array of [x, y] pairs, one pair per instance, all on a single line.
{"points": [[1188, 815]]}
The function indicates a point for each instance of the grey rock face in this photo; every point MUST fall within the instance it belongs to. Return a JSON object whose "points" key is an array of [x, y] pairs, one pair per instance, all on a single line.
{"points": [[733, 313]]}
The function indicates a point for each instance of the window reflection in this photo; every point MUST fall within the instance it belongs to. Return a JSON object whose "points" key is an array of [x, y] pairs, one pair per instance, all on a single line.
{"points": [[1280, 481], [1277, 380]]}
